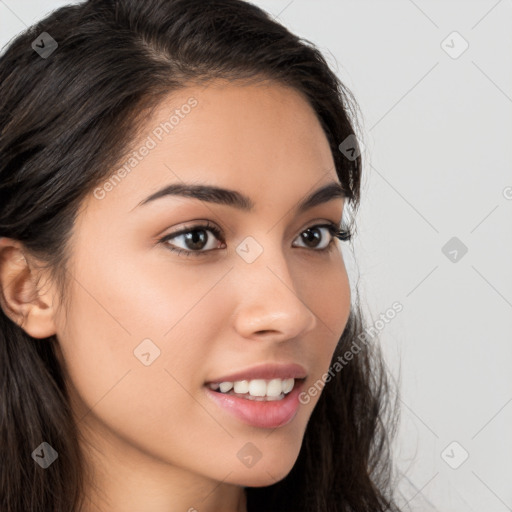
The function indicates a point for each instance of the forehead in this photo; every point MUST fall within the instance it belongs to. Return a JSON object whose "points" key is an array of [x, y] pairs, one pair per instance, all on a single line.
{"points": [[262, 139]]}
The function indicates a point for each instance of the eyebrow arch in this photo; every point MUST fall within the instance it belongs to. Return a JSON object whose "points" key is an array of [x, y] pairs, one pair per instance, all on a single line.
{"points": [[213, 194]]}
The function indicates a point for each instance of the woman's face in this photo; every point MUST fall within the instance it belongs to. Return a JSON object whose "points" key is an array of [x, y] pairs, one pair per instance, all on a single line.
{"points": [[146, 328]]}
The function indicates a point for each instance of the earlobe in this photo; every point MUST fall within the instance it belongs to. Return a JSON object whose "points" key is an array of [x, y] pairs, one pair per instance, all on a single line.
{"points": [[20, 297]]}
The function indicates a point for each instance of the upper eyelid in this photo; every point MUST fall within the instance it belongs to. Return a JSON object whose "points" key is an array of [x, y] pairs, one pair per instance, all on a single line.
{"points": [[209, 226], [334, 230]]}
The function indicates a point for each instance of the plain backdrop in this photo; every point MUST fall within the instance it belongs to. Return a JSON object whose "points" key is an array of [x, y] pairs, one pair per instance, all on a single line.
{"points": [[433, 80]]}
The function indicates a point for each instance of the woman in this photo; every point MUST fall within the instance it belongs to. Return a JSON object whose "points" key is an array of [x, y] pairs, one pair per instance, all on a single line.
{"points": [[175, 305]]}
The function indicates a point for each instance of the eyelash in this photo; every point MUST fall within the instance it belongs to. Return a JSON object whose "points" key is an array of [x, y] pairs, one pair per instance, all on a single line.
{"points": [[334, 230]]}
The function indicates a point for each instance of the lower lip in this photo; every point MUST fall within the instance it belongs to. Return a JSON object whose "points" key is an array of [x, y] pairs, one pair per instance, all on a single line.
{"points": [[263, 414]]}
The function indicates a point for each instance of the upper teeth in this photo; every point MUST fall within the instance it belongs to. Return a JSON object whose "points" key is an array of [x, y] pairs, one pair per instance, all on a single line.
{"points": [[256, 387]]}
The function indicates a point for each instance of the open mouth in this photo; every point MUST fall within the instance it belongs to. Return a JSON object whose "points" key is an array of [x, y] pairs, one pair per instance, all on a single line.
{"points": [[261, 390], [258, 402]]}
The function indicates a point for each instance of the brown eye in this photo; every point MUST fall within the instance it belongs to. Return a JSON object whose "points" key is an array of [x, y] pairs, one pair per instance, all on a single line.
{"points": [[195, 239], [312, 237]]}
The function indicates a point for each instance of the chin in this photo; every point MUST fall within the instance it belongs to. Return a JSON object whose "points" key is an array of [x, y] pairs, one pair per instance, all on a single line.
{"points": [[264, 474]]}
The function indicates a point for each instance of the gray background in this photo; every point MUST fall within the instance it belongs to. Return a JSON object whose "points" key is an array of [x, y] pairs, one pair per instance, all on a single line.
{"points": [[437, 135]]}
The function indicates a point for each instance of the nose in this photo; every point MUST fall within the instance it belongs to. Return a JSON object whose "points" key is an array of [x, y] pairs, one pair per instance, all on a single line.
{"points": [[270, 306]]}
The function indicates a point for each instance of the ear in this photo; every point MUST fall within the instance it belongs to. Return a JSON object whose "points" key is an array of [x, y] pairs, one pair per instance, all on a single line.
{"points": [[20, 297]]}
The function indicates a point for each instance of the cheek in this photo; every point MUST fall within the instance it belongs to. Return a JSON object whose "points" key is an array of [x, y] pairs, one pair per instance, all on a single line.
{"points": [[131, 314], [326, 291], [133, 346], [328, 296]]}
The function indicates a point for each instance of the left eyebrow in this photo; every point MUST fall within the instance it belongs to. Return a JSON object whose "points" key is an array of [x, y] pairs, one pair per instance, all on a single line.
{"points": [[213, 194]]}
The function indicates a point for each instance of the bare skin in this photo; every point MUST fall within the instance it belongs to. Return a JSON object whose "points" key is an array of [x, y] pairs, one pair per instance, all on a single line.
{"points": [[153, 439]]}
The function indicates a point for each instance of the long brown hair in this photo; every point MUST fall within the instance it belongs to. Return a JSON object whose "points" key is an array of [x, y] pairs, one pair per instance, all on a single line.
{"points": [[66, 118]]}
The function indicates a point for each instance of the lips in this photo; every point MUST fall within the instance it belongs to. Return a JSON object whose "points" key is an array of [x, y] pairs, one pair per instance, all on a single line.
{"points": [[261, 414], [265, 371]]}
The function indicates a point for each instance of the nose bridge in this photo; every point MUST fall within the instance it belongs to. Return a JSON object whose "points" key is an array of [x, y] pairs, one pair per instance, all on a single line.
{"points": [[262, 260], [270, 296]]}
